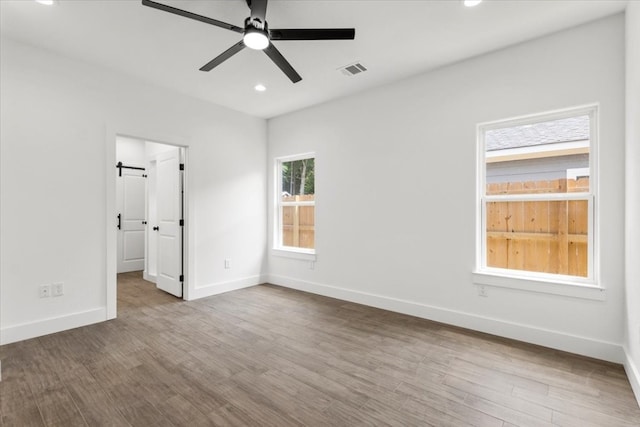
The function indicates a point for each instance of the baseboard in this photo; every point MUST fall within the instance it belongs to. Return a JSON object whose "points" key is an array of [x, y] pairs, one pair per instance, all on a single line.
{"points": [[222, 287], [51, 325], [554, 339], [633, 374]]}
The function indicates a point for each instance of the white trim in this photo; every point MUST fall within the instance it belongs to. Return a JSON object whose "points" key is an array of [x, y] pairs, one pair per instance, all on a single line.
{"points": [[585, 346], [294, 157], [562, 113], [547, 284], [301, 203], [111, 239], [222, 287], [633, 373], [294, 253], [51, 325], [594, 187]]}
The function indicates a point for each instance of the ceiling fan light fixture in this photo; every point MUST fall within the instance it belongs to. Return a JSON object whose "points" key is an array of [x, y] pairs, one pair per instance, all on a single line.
{"points": [[256, 39]]}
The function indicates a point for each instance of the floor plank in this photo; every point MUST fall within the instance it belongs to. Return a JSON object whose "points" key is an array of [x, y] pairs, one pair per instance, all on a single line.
{"points": [[272, 356]]}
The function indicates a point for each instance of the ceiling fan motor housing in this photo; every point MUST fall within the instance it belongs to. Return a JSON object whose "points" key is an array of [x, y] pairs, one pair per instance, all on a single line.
{"points": [[255, 23], [256, 34]]}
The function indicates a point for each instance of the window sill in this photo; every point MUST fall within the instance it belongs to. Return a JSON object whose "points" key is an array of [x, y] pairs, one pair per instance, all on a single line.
{"points": [[305, 255], [541, 285]]}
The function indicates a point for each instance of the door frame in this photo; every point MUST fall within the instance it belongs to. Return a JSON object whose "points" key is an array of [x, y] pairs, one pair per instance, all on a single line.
{"points": [[111, 221]]}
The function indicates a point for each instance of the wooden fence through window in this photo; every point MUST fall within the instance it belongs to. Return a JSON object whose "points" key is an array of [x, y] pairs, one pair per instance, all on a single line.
{"points": [[298, 223], [541, 236]]}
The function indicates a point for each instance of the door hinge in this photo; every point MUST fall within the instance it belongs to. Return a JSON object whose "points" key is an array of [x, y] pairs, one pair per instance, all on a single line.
{"points": [[181, 166], [182, 277], [182, 223]]}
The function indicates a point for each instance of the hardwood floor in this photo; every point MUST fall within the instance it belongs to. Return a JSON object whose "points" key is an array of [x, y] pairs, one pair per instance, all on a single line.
{"points": [[270, 356]]}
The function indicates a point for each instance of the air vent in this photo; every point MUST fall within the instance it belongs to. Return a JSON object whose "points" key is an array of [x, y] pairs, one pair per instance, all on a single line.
{"points": [[353, 69]]}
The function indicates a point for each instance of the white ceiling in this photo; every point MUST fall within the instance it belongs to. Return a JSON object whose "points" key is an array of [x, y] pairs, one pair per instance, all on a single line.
{"points": [[394, 39]]}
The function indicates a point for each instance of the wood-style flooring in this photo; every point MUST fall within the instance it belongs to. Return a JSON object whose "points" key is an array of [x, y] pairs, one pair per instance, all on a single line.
{"points": [[270, 356]]}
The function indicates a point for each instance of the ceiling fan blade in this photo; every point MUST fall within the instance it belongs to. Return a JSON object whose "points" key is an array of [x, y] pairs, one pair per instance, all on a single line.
{"points": [[190, 15], [282, 63], [223, 56], [313, 34], [258, 10]]}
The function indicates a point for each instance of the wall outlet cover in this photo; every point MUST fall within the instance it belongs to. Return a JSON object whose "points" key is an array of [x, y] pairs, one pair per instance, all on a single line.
{"points": [[44, 291], [57, 289]]}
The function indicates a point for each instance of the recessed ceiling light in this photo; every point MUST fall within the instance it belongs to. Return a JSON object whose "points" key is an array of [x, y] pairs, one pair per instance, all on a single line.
{"points": [[472, 3], [46, 2], [260, 87]]}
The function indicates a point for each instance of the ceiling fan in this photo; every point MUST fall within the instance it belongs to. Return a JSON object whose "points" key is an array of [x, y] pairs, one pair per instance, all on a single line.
{"points": [[257, 35]]}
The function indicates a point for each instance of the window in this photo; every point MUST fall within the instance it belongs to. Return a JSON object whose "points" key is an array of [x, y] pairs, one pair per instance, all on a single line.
{"points": [[295, 194], [537, 196]]}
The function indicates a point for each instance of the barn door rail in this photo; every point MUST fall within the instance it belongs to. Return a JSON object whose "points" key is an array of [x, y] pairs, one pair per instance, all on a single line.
{"points": [[120, 166]]}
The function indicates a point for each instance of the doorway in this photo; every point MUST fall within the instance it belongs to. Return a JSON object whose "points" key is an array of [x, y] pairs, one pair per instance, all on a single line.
{"points": [[150, 197]]}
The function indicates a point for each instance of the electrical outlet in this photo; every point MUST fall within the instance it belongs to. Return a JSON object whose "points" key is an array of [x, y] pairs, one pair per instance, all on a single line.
{"points": [[482, 291], [44, 291], [312, 265], [227, 263], [57, 289]]}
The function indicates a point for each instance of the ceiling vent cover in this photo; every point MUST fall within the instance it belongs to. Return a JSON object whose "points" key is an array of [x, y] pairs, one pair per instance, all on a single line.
{"points": [[353, 69]]}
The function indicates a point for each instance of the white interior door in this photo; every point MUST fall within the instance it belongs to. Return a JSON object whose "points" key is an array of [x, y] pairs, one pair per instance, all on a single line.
{"points": [[169, 231], [131, 210]]}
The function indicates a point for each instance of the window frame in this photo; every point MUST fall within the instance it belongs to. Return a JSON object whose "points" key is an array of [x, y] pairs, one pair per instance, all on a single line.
{"points": [[278, 248], [577, 286]]}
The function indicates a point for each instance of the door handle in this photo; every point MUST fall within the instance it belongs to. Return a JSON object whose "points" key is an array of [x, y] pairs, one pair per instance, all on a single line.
{"points": [[156, 228], [119, 221]]}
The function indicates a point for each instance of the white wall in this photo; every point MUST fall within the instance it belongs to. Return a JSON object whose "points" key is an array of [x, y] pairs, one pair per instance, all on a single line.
{"points": [[632, 220], [395, 188], [58, 122]]}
